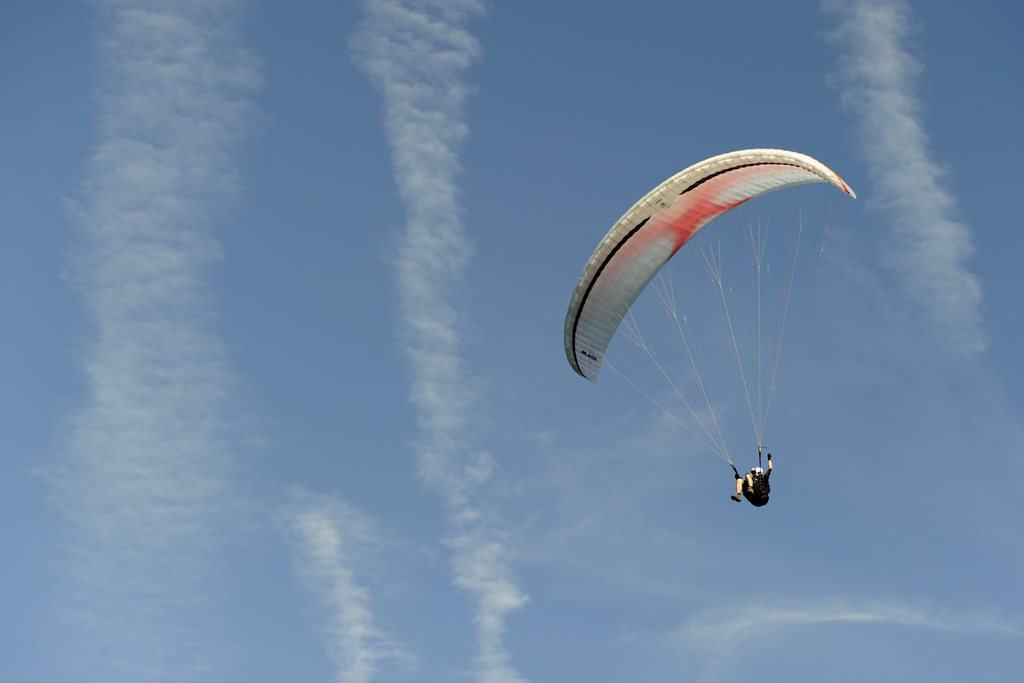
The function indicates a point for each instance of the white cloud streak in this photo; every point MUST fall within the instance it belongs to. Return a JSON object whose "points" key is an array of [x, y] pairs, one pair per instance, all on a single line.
{"points": [[928, 247], [142, 480], [731, 629], [718, 641], [328, 537], [415, 54]]}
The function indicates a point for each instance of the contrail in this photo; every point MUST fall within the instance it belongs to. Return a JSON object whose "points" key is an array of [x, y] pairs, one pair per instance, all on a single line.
{"points": [[142, 479], [327, 536], [415, 54], [928, 246]]}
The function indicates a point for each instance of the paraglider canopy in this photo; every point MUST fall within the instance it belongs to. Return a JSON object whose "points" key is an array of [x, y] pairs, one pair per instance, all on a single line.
{"points": [[657, 226]]}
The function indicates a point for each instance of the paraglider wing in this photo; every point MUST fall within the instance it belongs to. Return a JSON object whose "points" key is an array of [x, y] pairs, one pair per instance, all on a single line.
{"points": [[654, 229]]}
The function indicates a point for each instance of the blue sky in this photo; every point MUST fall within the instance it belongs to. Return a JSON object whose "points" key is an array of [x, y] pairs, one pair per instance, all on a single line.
{"points": [[284, 388]]}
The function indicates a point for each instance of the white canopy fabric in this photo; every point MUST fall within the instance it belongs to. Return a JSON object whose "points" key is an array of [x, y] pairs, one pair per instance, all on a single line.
{"points": [[655, 228]]}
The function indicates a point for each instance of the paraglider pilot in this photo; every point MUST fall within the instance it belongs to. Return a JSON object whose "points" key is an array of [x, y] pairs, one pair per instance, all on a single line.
{"points": [[754, 485]]}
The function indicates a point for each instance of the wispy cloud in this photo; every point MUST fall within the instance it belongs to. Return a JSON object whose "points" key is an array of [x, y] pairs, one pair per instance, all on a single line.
{"points": [[143, 478], [736, 626], [717, 643], [928, 246], [328, 537], [415, 54]]}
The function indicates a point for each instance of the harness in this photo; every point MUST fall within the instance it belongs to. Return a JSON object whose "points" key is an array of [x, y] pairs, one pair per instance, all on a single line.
{"points": [[759, 484], [758, 491]]}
